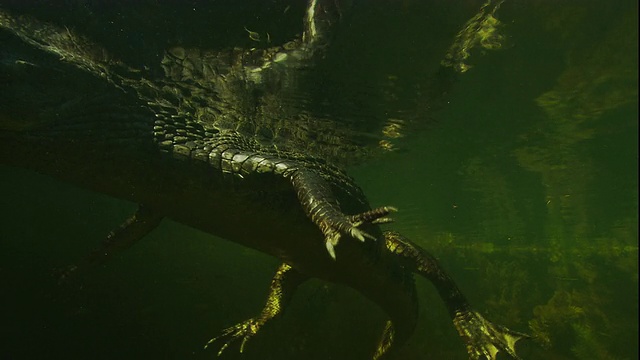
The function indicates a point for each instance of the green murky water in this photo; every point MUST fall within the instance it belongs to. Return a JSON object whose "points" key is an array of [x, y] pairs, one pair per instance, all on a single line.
{"points": [[524, 185]]}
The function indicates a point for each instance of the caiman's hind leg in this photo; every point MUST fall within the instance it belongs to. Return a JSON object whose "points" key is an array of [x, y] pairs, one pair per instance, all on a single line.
{"points": [[283, 285], [484, 339]]}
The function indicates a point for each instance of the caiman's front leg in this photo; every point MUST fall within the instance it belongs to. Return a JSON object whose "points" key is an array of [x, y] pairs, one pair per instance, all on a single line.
{"points": [[283, 285], [483, 339], [311, 179], [133, 229], [319, 204]]}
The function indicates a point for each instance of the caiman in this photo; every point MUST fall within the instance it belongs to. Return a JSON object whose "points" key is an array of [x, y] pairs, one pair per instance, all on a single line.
{"points": [[199, 144]]}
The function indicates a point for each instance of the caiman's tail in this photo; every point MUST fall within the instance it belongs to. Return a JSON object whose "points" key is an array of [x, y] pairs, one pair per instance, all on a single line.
{"points": [[484, 340]]}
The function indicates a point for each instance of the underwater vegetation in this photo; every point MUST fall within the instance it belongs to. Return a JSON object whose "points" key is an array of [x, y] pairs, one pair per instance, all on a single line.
{"points": [[581, 272], [540, 219]]}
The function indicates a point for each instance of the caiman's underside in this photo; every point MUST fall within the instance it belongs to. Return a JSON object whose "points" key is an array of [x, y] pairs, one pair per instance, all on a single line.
{"points": [[191, 146]]}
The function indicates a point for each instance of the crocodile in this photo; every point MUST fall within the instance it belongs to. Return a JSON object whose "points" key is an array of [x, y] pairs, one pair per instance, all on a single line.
{"points": [[199, 145]]}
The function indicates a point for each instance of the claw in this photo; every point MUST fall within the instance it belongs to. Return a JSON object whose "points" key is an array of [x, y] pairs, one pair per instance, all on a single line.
{"points": [[221, 349], [244, 331], [357, 233], [384, 220], [375, 216], [333, 239], [330, 249], [350, 226], [372, 216], [330, 241], [484, 338], [360, 235]]}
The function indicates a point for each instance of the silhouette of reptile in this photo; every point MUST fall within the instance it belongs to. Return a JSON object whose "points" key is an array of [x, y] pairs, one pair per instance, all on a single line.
{"points": [[201, 144]]}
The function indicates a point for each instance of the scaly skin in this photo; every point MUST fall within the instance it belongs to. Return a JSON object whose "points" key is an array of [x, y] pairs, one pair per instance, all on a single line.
{"points": [[183, 150]]}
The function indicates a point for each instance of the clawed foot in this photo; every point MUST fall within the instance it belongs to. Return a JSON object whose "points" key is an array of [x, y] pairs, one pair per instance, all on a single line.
{"points": [[242, 331], [484, 339], [333, 232]]}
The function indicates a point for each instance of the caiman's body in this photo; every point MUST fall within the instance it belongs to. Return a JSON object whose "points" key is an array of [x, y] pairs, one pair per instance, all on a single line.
{"points": [[82, 117]]}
